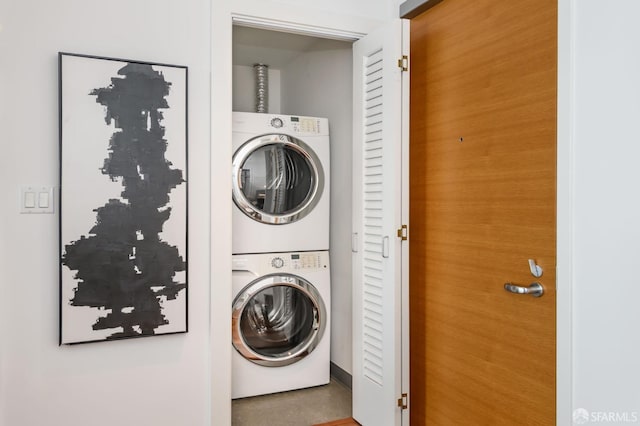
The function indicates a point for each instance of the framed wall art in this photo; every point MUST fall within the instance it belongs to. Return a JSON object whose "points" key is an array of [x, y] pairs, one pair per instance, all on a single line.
{"points": [[123, 199]]}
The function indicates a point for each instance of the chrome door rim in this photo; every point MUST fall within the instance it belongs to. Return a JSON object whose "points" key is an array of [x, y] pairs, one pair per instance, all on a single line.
{"points": [[241, 155], [301, 350]]}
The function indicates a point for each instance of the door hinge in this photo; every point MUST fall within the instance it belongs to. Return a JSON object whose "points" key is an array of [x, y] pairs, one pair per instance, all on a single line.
{"points": [[403, 63], [403, 232], [402, 401]]}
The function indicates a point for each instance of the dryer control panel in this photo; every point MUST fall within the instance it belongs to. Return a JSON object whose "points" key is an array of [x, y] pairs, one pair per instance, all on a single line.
{"points": [[300, 125], [254, 123], [305, 125]]}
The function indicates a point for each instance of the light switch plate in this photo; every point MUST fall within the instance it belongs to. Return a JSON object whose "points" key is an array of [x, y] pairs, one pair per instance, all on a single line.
{"points": [[36, 199]]}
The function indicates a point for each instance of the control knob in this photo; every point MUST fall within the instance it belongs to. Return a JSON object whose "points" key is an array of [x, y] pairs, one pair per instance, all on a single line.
{"points": [[277, 262], [276, 122]]}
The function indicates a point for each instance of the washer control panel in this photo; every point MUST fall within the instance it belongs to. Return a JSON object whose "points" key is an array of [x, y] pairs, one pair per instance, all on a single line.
{"points": [[305, 261], [298, 261], [290, 262]]}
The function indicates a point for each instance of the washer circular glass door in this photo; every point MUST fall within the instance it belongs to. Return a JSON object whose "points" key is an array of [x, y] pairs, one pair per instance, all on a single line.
{"points": [[277, 320], [277, 179]]}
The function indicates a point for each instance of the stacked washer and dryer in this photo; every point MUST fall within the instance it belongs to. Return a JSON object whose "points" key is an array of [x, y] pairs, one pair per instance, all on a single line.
{"points": [[281, 275]]}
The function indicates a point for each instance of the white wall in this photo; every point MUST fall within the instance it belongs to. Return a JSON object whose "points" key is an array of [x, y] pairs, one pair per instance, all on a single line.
{"points": [[358, 16], [162, 380], [606, 212], [370, 9], [319, 83]]}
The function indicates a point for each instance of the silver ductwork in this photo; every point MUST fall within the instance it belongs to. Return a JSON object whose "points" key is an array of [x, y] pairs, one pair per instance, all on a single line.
{"points": [[262, 87]]}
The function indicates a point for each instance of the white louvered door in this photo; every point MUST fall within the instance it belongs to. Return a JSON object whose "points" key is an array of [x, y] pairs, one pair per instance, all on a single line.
{"points": [[377, 210]]}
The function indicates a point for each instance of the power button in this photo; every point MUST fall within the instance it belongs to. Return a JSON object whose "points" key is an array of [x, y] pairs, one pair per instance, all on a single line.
{"points": [[276, 122]]}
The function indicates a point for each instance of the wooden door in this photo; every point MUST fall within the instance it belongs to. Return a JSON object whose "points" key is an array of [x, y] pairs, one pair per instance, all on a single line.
{"points": [[482, 202]]}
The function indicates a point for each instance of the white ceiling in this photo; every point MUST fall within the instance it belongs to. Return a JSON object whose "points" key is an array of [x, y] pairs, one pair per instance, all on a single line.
{"points": [[274, 48]]}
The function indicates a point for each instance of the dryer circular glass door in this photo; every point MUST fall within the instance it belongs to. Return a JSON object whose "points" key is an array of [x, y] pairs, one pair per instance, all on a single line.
{"points": [[277, 179], [277, 320]]}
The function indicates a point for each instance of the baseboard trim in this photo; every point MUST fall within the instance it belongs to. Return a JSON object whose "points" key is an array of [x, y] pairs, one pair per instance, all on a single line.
{"points": [[340, 375]]}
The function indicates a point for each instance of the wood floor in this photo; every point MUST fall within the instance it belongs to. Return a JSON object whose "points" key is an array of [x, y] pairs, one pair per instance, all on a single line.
{"points": [[343, 422]]}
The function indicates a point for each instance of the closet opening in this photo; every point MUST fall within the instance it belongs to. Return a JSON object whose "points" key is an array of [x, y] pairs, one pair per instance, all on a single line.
{"points": [[308, 78]]}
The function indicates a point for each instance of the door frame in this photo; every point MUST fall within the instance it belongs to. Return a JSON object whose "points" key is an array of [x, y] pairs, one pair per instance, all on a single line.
{"points": [[564, 213], [404, 213], [223, 15]]}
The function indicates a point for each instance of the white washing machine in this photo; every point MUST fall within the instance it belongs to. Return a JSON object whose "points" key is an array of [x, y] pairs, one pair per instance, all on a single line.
{"points": [[280, 183], [280, 322]]}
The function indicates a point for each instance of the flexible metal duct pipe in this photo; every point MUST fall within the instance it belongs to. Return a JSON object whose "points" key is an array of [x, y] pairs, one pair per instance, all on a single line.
{"points": [[262, 87]]}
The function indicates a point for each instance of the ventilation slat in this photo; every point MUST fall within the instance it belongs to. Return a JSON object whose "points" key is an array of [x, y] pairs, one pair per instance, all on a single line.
{"points": [[373, 93], [372, 195], [374, 119], [372, 103], [374, 76]]}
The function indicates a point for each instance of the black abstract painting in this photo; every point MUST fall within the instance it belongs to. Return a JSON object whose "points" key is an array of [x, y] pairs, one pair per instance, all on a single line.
{"points": [[123, 202]]}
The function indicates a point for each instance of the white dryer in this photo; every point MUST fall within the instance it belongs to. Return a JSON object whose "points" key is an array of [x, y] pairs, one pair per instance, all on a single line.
{"points": [[280, 322], [280, 183]]}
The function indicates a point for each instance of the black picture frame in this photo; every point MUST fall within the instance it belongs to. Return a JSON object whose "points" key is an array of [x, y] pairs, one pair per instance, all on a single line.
{"points": [[123, 199]]}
